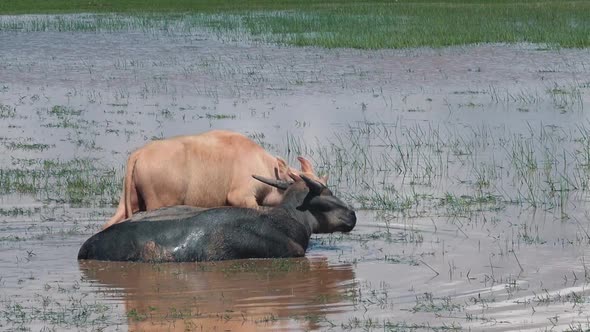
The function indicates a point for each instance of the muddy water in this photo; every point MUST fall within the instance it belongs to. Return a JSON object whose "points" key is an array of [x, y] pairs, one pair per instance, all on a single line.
{"points": [[222, 296], [468, 167]]}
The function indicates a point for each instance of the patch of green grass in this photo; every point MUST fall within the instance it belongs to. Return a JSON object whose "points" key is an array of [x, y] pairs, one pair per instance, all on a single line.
{"points": [[459, 205], [373, 324], [18, 211], [427, 303], [338, 23], [73, 312], [397, 259], [65, 123], [12, 238], [220, 116], [62, 111], [63, 117], [135, 315], [27, 146], [77, 181], [270, 318], [7, 111], [384, 201]]}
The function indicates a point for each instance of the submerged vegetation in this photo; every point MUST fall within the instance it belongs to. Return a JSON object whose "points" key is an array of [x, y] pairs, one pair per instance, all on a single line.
{"points": [[77, 181], [339, 23]]}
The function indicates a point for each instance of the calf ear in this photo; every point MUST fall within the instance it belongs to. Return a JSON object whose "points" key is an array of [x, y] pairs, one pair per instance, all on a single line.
{"points": [[294, 176], [324, 180], [282, 173], [314, 186], [306, 166]]}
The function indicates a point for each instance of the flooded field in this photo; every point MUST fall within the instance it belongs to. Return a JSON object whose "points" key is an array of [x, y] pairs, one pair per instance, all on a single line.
{"points": [[469, 168]]}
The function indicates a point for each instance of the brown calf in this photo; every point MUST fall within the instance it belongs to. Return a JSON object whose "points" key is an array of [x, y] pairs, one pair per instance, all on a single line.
{"points": [[207, 170]]}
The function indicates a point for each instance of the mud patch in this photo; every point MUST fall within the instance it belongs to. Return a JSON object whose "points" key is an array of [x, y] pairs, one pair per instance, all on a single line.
{"points": [[151, 252]]}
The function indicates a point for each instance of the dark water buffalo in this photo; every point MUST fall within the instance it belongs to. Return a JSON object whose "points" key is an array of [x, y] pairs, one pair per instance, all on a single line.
{"points": [[227, 232]]}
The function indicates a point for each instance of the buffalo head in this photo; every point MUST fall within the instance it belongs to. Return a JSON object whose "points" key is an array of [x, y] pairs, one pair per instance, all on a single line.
{"points": [[329, 213]]}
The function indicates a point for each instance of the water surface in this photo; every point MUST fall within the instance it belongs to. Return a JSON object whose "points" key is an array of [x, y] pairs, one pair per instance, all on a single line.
{"points": [[468, 165]]}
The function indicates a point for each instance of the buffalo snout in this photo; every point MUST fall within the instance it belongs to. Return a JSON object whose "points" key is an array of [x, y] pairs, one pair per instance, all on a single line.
{"points": [[348, 222]]}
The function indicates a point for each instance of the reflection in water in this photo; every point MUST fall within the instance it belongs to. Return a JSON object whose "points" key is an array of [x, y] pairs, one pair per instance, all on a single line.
{"points": [[245, 295]]}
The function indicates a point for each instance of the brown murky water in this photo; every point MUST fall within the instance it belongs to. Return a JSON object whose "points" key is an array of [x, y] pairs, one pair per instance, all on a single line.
{"points": [[469, 168], [247, 295]]}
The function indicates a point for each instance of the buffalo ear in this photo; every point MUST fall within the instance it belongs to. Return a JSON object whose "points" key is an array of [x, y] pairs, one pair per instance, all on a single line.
{"points": [[279, 184], [306, 166], [314, 186]]}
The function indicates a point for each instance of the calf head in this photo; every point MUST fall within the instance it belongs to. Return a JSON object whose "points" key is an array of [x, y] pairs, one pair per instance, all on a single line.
{"points": [[330, 214], [283, 171]]}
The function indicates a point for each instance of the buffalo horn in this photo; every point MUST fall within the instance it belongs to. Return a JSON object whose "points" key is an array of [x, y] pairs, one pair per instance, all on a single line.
{"points": [[283, 185], [313, 185]]}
